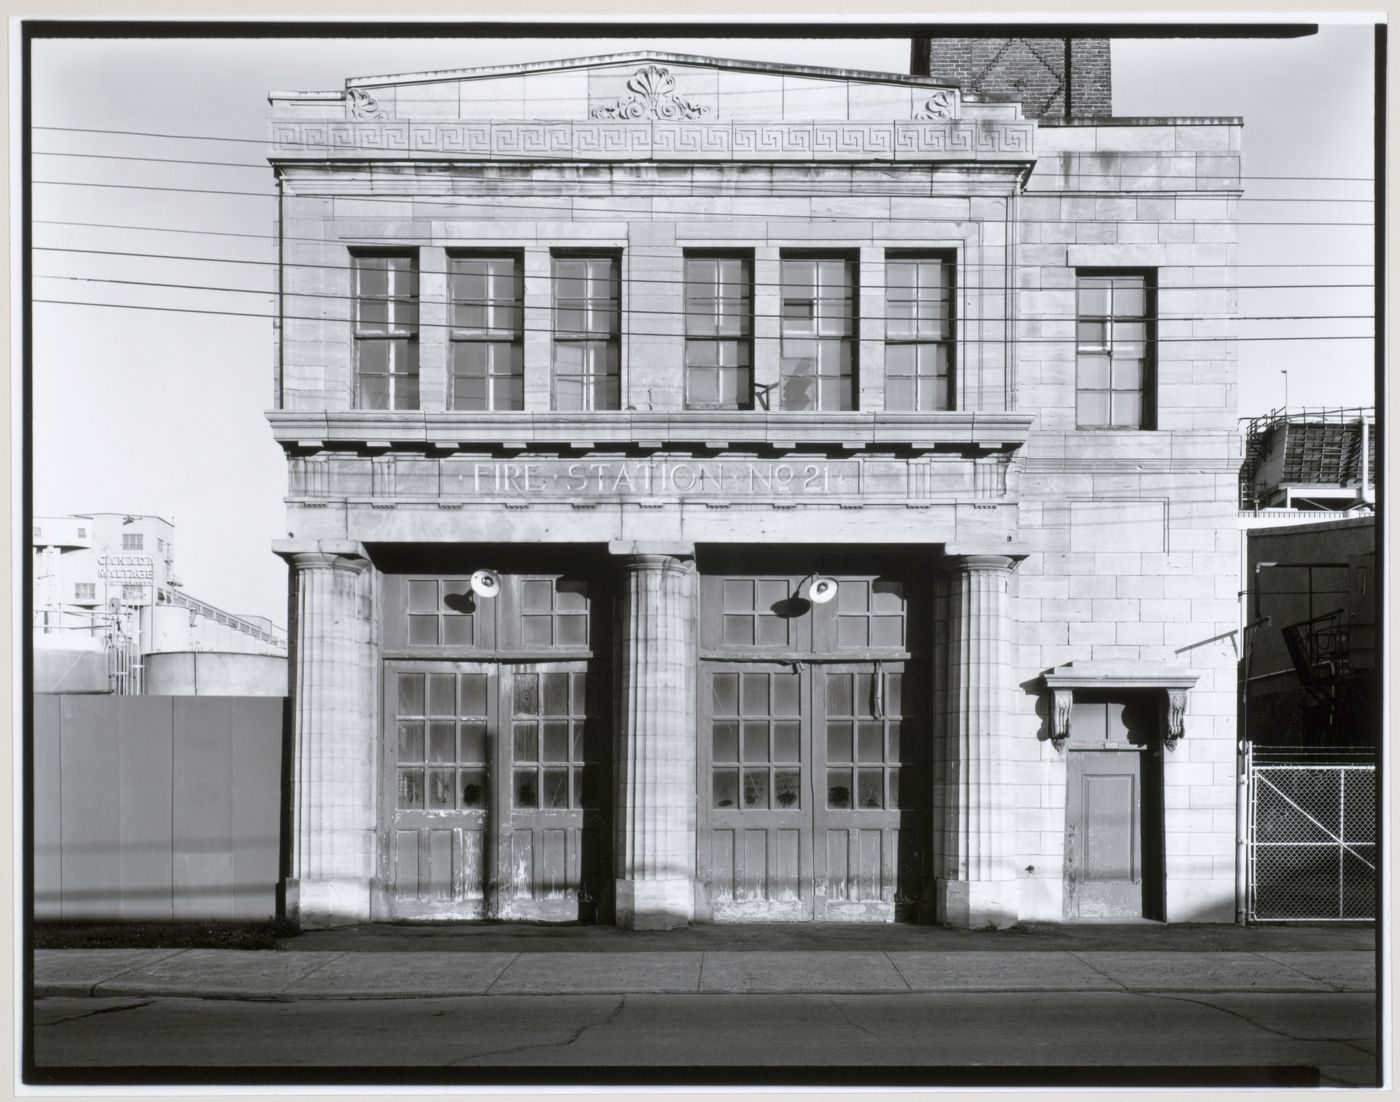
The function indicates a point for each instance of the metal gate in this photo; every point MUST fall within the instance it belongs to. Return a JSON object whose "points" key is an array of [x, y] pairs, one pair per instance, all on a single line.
{"points": [[1312, 836]]}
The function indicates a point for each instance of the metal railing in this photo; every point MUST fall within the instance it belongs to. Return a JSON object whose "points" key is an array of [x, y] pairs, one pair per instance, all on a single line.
{"points": [[1311, 836]]}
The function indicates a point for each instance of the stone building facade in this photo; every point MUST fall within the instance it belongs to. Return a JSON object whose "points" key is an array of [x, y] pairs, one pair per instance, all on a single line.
{"points": [[723, 491]]}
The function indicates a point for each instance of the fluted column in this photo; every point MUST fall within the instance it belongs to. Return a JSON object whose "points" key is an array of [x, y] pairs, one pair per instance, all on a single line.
{"points": [[655, 805], [334, 733], [976, 884]]}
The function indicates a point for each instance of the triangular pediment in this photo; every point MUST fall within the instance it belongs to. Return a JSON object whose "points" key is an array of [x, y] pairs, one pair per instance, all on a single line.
{"points": [[649, 85]]}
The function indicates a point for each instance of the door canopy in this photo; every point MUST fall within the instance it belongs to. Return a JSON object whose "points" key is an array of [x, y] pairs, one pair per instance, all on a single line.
{"points": [[1174, 681]]}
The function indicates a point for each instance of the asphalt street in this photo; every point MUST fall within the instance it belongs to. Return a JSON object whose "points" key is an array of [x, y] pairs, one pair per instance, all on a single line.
{"points": [[1331, 1031]]}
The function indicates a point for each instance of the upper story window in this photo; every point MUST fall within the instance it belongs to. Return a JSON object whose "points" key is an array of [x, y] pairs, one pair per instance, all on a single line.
{"points": [[918, 333], [82, 533], [818, 334], [133, 541], [1114, 350], [718, 332], [487, 330], [386, 332], [85, 591], [587, 328]]}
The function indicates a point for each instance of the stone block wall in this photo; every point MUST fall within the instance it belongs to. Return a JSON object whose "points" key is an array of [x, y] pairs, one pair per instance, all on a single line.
{"points": [[1135, 548], [651, 226]]}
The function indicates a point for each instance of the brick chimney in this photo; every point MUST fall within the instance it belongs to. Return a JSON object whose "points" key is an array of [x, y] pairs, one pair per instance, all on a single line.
{"points": [[1028, 70]]}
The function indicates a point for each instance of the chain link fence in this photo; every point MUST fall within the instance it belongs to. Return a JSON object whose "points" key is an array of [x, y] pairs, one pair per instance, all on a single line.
{"points": [[1312, 838]]}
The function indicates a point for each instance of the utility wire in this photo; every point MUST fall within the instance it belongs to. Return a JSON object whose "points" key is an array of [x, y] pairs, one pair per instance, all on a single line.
{"points": [[633, 283], [436, 200], [638, 280], [965, 341], [353, 240], [1033, 191], [264, 142]]}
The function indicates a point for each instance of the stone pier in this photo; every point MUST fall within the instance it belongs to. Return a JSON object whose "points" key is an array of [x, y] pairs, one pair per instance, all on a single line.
{"points": [[333, 841], [976, 885], [655, 808]]}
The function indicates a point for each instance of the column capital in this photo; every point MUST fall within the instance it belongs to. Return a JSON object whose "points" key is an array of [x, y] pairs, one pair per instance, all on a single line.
{"points": [[977, 561], [303, 554], [643, 549]]}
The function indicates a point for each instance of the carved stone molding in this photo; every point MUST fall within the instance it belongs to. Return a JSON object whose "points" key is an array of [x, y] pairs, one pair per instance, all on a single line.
{"points": [[359, 104], [1173, 681], [1176, 716], [940, 105], [653, 97], [661, 138], [1063, 705]]}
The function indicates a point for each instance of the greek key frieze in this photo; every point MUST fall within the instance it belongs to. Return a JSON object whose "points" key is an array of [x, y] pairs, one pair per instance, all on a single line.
{"points": [[903, 140], [698, 140], [607, 139]]}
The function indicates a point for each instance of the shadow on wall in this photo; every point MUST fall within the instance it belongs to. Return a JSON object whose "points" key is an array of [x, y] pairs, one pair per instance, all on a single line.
{"points": [[158, 807]]}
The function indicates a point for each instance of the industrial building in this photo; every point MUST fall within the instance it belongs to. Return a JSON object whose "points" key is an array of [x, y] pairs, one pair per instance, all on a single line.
{"points": [[109, 612]]}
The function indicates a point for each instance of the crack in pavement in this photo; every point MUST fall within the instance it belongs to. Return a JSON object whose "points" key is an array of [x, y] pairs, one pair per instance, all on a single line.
{"points": [[835, 1001], [1243, 1017], [903, 978], [1094, 968], [572, 1039], [102, 1010]]}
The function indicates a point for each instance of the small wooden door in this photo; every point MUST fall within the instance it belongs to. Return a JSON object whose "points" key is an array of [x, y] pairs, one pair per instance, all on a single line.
{"points": [[1103, 834], [1113, 837], [497, 774]]}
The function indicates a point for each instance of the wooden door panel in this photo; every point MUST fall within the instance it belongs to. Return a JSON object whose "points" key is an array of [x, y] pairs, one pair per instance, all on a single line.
{"points": [[556, 846], [488, 767], [1103, 835], [872, 812], [440, 873], [438, 757], [754, 760], [811, 828]]}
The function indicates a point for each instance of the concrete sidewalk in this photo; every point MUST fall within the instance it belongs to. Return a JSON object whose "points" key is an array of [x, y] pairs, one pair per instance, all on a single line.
{"points": [[294, 974]]}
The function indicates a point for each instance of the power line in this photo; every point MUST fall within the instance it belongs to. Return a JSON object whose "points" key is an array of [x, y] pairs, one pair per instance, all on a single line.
{"points": [[1031, 190], [436, 200], [351, 241], [961, 341], [651, 280], [632, 283], [264, 142], [152, 160]]}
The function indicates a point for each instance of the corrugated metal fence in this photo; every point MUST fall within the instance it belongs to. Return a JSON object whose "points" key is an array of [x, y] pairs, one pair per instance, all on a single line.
{"points": [[157, 807]]}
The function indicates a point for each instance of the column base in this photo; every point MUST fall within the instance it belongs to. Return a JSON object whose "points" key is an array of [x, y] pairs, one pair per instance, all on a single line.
{"points": [[977, 904], [314, 904], [654, 904]]}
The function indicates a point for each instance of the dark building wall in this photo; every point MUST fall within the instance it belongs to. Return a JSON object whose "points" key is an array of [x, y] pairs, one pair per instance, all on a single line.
{"points": [[1029, 70], [1279, 710]]}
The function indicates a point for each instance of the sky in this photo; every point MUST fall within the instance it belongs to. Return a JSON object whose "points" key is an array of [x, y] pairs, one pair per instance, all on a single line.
{"points": [[139, 407]]}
